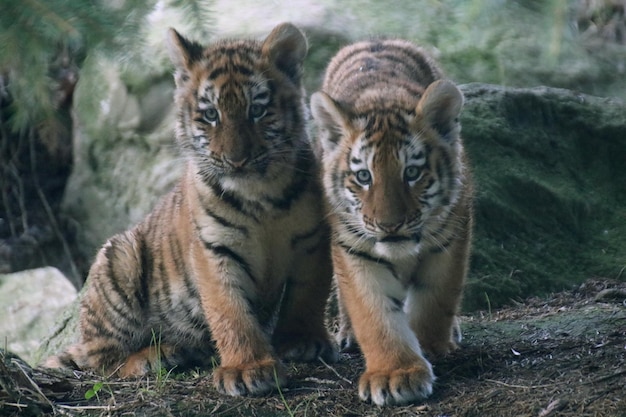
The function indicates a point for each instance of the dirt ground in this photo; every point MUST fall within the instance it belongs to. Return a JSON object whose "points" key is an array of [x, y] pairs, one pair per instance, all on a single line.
{"points": [[563, 355]]}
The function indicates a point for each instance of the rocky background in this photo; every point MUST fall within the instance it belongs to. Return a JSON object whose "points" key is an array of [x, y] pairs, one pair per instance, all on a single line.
{"points": [[544, 125]]}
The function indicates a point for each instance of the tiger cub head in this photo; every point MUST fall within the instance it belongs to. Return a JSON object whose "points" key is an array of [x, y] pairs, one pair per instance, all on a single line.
{"points": [[240, 103], [391, 169]]}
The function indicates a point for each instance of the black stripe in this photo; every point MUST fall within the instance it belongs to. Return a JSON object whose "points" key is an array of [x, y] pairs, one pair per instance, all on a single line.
{"points": [[347, 58], [292, 193], [181, 267], [355, 230], [230, 69], [224, 222], [109, 351], [113, 278], [185, 307], [368, 257], [147, 265], [443, 168], [397, 304], [224, 251], [100, 330], [298, 185], [235, 201], [122, 313], [164, 293]]}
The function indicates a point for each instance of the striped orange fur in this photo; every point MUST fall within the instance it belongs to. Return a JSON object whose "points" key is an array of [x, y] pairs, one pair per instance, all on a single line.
{"points": [[399, 193], [236, 258]]}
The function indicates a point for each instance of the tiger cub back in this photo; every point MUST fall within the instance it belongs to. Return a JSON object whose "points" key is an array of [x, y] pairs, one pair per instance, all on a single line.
{"points": [[398, 191], [235, 258]]}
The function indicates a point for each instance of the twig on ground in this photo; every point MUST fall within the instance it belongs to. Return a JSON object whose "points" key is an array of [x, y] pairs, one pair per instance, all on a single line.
{"points": [[553, 407], [522, 386], [41, 395], [334, 371]]}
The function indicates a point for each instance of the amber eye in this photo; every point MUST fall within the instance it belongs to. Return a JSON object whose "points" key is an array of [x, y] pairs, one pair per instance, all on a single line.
{"points": [[211, 115], [257, 111], [412, 173], [364, 177]]}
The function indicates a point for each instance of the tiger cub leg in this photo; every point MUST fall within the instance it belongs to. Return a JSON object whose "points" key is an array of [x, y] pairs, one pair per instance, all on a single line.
{"points": [[396, 371], [345, 334], [433, 304], [248, 364], [300, 333], [113, 334]]}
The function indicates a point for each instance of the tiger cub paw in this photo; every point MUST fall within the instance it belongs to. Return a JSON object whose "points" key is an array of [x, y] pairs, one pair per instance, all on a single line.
{"points": [[254, 378], [299, 348], [434, 349], [400, 386], [145, 361]]}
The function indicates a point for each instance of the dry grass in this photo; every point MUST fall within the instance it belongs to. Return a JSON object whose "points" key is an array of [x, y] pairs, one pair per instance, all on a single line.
{"points": [[559, 356]]}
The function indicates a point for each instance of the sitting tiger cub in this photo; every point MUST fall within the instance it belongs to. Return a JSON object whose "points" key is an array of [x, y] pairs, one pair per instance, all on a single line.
{"points": [[399, 196], [237, 255]]}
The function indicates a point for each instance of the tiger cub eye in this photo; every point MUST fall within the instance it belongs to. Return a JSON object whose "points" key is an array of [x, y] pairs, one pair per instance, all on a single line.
{"points": [[211, 115], [412, 173], [364, 177], [257, 111]]}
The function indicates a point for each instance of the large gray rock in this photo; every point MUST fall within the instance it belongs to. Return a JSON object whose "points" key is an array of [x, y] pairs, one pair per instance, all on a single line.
{"points": [[550, 166], [31, 303], [124, 152]]}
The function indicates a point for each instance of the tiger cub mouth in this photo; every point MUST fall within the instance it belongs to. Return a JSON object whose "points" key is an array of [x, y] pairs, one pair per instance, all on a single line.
{"points": [[399, 238]]}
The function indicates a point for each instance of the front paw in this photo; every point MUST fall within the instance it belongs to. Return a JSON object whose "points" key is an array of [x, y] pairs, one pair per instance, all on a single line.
{"points": [[399, 386], [434, 349], [254, 378], [299, 348]]}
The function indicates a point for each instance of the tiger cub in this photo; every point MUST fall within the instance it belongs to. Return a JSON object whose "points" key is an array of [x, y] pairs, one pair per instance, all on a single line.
{"points": [[237, 255], [399, 195]]}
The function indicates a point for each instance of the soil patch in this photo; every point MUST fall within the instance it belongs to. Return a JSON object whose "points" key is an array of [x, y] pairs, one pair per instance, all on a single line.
{"points": [[563, 355]]}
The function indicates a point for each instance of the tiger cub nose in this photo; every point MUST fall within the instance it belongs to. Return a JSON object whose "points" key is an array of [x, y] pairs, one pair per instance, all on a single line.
{"points": [[236, 163], [390, 227]]}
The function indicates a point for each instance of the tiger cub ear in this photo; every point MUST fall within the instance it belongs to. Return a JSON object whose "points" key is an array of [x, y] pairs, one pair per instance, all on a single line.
{"points": [[286, 47], [183, 53], [332, 121], [440, 107]]}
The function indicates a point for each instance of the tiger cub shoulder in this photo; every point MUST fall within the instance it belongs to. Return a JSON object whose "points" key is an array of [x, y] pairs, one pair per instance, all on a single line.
{"points": [[235, 260], [398, 192]]}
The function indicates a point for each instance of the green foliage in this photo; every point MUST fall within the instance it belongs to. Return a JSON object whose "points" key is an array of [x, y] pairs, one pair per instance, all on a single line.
{"points": [[160, 371], [93, 391], [517, 43], [40, 38], [282, 397]]}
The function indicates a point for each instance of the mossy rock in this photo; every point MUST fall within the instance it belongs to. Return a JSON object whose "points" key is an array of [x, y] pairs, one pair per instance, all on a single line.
{"points": [[549, 165]]}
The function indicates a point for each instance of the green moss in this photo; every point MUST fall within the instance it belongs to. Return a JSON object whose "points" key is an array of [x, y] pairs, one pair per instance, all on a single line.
{"points": [[549, 167]]}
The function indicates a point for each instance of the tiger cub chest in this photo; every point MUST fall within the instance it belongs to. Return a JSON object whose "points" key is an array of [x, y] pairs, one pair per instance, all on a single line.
{"points": [[267, 244]]}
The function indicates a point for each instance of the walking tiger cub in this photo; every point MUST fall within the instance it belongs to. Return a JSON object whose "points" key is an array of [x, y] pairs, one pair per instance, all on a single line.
{"points": [[399, 196], [237, 254]]}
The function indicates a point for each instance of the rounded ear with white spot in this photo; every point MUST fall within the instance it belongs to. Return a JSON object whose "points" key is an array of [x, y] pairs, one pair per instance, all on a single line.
{"points": [[332, 121], [183, 53], [286, 47], [440, 107]]}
